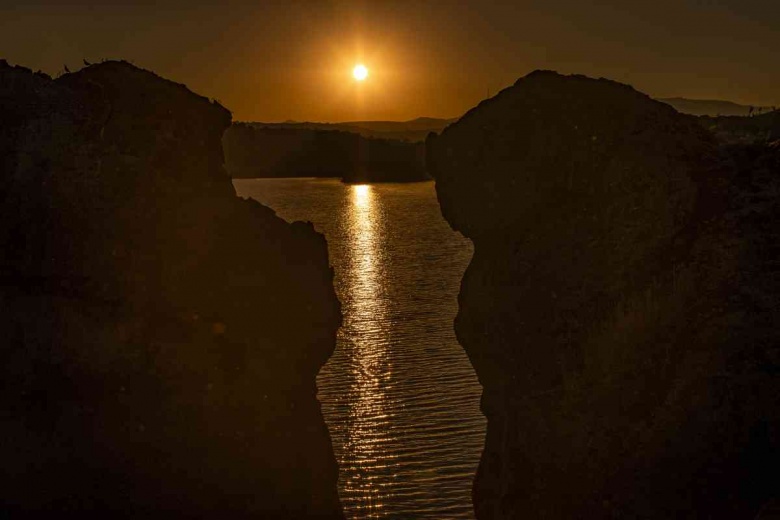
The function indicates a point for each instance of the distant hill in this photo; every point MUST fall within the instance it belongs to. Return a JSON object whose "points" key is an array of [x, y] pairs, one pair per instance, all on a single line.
{"points": [[414, 130], [711, 107]]}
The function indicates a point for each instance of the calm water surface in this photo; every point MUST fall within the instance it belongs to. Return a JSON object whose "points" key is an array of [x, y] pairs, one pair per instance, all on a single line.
{"points": [[399, 395]]}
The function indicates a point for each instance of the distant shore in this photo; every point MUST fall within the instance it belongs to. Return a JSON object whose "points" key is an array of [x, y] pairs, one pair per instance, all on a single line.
{"points": [[265, 152]]}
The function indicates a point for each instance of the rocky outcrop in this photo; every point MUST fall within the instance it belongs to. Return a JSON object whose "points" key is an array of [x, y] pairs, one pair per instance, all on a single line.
{"points": [[621, 307], [302, 152], [161, 336]]}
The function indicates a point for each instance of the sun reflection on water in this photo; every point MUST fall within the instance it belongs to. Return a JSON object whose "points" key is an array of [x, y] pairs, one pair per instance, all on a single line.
{"points": [[365, 322], [399, 395], [362, 198]]}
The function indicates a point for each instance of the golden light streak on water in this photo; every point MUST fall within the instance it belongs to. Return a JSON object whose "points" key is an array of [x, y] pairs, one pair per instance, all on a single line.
{"points": [[362, 198], [399, 395], [371, 368]]}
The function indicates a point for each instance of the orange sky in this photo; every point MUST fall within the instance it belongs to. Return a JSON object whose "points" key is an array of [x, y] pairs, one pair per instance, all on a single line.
{"points": [[279, 60]]}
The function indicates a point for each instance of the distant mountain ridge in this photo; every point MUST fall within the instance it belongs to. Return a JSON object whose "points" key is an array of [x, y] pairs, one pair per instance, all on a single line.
{"points": [[415, 130], [711, 107]]}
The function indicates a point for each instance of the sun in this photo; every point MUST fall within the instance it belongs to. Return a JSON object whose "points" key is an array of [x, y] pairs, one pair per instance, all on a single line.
{"points": [[360, 72]]}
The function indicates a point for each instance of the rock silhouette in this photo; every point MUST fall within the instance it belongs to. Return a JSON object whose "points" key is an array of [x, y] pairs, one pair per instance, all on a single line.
{"points": [[621, 306], [301, 152], [161, 336]]}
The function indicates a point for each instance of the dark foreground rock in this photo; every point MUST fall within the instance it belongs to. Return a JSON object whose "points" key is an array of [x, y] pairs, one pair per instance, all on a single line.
{"points": [[621, 308], [161, 336]]}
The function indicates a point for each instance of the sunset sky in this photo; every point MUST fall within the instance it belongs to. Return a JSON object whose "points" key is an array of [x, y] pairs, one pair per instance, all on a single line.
{"points": [[279, 60]]}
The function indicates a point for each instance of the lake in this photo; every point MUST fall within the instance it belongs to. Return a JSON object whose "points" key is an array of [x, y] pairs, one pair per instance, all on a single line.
{"points": [[399, 395]]}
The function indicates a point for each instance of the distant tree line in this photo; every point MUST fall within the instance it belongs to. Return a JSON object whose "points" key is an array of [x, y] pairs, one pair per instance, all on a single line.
{"points": [[754, 128], [252, 151]]}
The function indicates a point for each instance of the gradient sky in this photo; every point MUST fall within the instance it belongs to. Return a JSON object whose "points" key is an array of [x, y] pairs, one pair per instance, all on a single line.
{"points": [[279, 60]]}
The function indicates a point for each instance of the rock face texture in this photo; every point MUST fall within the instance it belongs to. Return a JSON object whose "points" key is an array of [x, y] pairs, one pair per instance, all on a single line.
{"points": [[621, 307], [161, 336]]}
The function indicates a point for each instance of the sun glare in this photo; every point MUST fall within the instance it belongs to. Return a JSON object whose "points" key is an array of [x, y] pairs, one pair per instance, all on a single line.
{"points": [[361, 192], [360, 72]]}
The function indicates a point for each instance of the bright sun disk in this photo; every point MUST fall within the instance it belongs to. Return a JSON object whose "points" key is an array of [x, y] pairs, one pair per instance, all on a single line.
{"points": [[360, 72]]}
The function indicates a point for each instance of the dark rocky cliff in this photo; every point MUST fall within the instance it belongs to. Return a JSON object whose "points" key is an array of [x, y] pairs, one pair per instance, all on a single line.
{"points": [[161, 336], [621, 307]]}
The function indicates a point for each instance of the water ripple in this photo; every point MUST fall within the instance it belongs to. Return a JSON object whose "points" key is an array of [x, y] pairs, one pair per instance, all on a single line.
{"points": [[399, 395]]}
